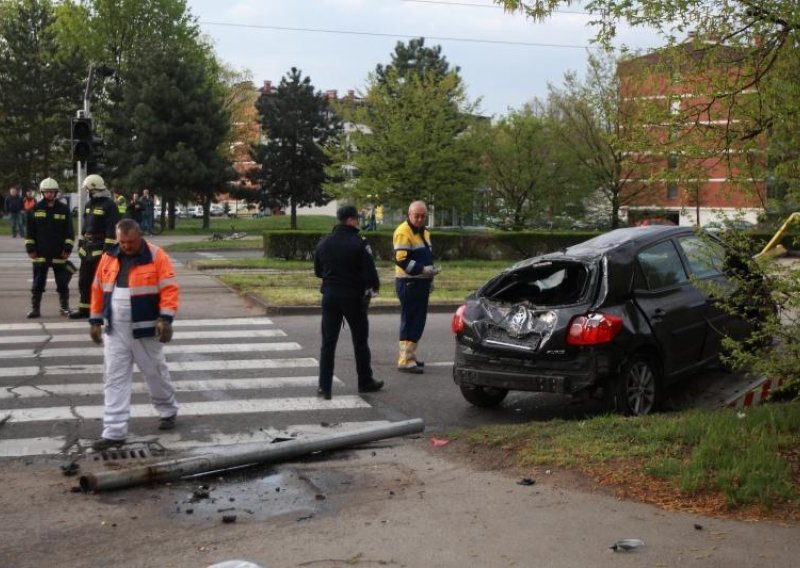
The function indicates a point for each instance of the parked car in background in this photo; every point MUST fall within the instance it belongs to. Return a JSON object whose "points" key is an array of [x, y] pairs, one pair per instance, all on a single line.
{"points": [[618, 315], [216, 210], [729, 225], [194, 211]]}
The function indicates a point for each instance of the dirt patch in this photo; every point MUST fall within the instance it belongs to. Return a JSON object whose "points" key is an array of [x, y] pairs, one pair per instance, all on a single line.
{"points": [[620, 479]]}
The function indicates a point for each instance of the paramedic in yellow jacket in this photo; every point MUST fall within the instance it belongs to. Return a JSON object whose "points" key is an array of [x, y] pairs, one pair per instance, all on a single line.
{"points": [[135, 295], [414, 272]]}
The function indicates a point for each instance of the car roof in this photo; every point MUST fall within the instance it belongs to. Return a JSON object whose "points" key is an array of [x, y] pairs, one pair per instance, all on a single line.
{"points": [[629, 237]]}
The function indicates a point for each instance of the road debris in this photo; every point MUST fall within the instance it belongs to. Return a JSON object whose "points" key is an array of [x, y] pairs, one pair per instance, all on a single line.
{"points": [[626, 545], [526, 481], [439, 442]]}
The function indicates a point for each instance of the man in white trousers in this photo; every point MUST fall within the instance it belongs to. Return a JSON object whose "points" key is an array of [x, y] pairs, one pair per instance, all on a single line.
{"points": [[135, 296]]}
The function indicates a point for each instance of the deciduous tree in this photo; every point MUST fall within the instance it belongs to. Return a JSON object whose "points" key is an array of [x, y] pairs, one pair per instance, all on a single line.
{"points": [[40, 86]]}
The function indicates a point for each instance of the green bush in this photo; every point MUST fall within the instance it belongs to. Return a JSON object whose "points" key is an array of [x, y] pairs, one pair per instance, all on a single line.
{"points": [[299, 245]]}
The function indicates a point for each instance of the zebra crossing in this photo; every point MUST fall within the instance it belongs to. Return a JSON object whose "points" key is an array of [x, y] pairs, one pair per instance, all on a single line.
{"points": [[237, 380]]}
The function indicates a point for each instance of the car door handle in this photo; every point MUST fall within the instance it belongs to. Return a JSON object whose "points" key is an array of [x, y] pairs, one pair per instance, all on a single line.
{"points": [[658, 314]]}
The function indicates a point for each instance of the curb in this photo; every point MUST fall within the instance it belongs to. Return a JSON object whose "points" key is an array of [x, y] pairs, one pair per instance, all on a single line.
{"points": [[754, 393], [435, 308]]}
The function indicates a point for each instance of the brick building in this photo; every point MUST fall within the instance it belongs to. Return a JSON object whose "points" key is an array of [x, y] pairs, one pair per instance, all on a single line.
{"points": [[686, 114]]}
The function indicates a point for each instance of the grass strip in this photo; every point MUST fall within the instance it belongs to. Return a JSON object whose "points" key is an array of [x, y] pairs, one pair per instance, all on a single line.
{"points": [[750, 457]]}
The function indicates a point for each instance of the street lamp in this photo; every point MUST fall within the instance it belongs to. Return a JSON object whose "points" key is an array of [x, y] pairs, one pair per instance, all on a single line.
{"points": [[102, 71]]}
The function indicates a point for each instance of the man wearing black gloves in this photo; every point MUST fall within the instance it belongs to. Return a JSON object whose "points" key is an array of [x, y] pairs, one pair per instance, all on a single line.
{"points": [[349, 279]]}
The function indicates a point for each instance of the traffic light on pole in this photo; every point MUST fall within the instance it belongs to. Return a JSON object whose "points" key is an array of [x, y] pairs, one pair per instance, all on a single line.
{"points": [[96, 163], [82, 139]]}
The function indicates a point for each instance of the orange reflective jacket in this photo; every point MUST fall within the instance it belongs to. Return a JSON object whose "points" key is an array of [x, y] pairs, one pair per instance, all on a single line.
{"points": [[154, 289]]}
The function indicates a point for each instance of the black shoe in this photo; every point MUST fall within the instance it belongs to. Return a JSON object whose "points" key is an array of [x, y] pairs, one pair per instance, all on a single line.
{"points": [[416, 370], [167, 423], [324, 394], [34, 313], [420, 363], [80, 313], [103, 444], [371, 386]]}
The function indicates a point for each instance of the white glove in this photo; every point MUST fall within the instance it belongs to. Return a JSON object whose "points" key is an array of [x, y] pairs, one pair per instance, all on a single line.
{"points": [[431, 271]]}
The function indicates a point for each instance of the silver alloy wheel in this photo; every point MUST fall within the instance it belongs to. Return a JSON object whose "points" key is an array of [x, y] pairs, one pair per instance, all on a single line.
{"points": [[640, 388]]}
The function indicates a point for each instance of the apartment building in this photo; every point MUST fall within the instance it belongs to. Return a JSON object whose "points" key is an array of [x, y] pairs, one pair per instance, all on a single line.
{"points": [[687, 121]]}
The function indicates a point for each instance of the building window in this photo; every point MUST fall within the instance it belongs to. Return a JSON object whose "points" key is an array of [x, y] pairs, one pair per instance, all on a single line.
{"points": [[672, 190]]}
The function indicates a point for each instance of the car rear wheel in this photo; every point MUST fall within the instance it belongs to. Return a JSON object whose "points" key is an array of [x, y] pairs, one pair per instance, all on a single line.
{"points": [[484, 397], [637, 390]]}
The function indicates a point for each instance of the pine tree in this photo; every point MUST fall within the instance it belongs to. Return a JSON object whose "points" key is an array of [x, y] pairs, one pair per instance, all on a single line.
{"points": [[297, 123]]}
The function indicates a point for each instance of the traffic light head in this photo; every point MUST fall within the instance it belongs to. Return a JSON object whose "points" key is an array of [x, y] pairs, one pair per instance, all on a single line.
{"points": [[82, 139]]}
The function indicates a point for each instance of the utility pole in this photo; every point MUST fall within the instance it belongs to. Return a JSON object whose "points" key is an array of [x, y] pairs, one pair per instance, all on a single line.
{"points": [[82, 165]]}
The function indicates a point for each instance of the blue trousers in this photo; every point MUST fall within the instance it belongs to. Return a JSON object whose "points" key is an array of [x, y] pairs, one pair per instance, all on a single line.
{"points": [[413, 295], [17, 224]]}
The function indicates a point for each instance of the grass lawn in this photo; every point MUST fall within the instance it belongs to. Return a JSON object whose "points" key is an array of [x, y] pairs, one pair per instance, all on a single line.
{"points": [[724, 461], [293, 283]]}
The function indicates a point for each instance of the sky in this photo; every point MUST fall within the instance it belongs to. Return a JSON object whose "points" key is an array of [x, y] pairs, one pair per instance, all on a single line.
{"points": [[505, 59]]}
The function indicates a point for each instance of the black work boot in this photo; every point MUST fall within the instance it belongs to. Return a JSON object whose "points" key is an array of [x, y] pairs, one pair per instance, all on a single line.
{"points": [[80, 313], [63, 302], [36, 303]]}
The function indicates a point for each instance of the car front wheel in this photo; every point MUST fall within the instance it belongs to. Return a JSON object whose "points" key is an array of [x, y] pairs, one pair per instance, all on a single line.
{"points": [[636, 390], [484, 397]]}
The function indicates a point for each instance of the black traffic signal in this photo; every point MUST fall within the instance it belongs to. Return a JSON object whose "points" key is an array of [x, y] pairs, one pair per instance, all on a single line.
{"points": [[96, 163], [82, 139]]}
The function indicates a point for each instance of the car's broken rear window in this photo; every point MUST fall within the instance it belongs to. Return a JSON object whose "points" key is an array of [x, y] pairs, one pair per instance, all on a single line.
{"points": [[543, 284]]}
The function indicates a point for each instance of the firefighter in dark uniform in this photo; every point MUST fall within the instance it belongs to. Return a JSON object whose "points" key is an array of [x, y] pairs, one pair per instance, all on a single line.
{"points": [[100, 217], [349, 279], [49, 238]]}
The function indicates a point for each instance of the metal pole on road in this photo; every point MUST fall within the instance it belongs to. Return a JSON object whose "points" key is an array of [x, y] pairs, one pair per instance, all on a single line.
{"points": [[174, 469]]}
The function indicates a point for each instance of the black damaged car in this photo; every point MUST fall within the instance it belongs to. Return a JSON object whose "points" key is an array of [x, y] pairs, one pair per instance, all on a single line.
{"points": [[618, 316]]}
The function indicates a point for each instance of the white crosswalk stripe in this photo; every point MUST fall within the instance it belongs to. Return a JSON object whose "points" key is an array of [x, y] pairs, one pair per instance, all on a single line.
{"points": [[221, 368]]}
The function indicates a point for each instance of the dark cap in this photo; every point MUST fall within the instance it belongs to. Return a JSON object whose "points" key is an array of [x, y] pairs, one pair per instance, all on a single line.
{"points": [[346, 212]]}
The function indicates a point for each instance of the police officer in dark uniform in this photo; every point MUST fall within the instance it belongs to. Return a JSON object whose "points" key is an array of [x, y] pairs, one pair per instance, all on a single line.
{"points": [[48, 242], [349, 279], [100, 217]]}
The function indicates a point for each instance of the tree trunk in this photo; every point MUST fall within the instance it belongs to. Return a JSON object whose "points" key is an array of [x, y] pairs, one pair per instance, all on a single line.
{"points": [[293, 224]]}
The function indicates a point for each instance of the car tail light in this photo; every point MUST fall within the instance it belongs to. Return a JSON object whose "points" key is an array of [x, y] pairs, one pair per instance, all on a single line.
{"points": [[594, 329], [457, 325]]}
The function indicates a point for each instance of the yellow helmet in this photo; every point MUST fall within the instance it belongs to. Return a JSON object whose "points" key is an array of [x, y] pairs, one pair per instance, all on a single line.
{"points": [[94, 182], [48, 184]]}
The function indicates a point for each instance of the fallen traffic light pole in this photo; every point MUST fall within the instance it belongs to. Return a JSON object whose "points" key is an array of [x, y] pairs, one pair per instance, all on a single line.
{"points": [[265, 453]]}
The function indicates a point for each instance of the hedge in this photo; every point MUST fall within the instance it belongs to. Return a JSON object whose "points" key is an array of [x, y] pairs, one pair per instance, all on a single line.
{"points": [[299, 245], [512, 246]]}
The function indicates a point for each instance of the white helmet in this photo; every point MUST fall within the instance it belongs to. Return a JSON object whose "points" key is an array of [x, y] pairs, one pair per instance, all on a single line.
{"points": [[48, 184], [94, 182]]}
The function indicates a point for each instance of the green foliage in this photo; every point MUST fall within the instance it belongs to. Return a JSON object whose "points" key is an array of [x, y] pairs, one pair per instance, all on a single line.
{"points": [[412, 139], [170, 110], [530, 172], [756, 44], [587, 120], [446, 245], [121, 32], [745, 456], [299, 124], [766, 294], [40, 89]]}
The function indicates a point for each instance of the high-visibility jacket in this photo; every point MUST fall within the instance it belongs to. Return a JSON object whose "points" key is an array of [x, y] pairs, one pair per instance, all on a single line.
{"points": [[412, 251], [152, 284], [122, 205], [49, 232]]}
